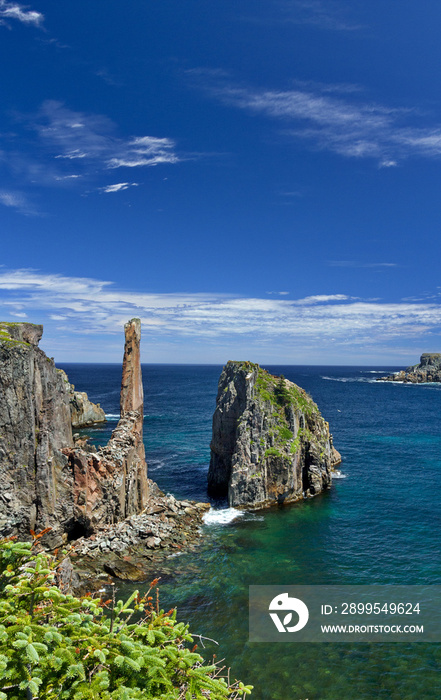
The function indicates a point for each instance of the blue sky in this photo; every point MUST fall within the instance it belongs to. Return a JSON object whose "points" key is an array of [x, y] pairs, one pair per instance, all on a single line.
{"points": [[255, 180]]}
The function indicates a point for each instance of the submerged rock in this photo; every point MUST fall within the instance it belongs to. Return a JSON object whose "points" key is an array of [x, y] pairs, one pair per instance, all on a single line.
{"points": [[428, 370], [270, 444]]}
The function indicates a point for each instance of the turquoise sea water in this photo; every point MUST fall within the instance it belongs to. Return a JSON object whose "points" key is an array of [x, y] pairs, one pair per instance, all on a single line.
{"points": [[379, 524]]}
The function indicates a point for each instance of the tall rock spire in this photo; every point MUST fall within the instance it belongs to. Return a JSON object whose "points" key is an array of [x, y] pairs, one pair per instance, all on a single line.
{"points": [[132, 395]]}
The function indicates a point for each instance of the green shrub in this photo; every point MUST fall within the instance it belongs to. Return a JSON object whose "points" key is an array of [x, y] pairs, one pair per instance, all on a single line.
{"points": [[282, 392], [273, 451], [285, 433], [56, 646]]}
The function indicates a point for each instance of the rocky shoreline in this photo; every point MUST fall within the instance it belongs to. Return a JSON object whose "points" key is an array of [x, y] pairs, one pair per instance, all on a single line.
{"points": [[137, 547], [428, 370], [98, 504]]}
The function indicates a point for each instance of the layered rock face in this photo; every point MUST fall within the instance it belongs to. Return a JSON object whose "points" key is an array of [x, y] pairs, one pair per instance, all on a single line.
{"points": [[270, 444], [35, 481], [428, 370], [83, 412], [46, 481]]}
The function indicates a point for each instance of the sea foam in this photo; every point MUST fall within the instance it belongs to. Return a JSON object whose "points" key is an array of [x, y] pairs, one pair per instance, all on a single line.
{"points": [[223, 516]]}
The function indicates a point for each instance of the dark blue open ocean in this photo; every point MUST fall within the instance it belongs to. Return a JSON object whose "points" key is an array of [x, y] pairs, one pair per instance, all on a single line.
{"points": [[380, 523]]}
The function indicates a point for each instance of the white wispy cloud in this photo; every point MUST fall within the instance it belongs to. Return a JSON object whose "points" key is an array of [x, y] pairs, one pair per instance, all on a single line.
{"points": [[118, 187], [324, 15], [18, 201], [92, 137], [145, 150], [91, 306], [67, 146], [325, 118], [12, 10], [356, 263]]}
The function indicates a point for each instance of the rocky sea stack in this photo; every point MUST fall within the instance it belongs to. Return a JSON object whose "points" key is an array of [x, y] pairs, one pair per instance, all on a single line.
{"points": [[270, 444], [428, 370]]}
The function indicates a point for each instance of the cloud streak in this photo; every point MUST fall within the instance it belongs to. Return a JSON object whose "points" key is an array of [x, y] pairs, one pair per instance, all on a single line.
{"points": [[92, 137], [323, 15], [356, 264], [90, 306], [118, 187], [325, 118], [17, 201], [12, 10]]}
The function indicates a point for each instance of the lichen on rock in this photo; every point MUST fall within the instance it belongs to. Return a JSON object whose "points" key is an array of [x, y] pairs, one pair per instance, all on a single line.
{"points": [[270, 444]]}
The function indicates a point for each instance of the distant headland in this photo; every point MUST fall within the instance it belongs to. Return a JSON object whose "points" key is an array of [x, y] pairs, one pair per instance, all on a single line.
{"points": [[428, 370]]}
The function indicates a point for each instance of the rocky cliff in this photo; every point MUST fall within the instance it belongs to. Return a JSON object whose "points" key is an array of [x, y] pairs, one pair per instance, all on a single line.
{"points": [[428, 370], [46, 481], [111, 483], [83, 412], [270, 444], [35, 481]]}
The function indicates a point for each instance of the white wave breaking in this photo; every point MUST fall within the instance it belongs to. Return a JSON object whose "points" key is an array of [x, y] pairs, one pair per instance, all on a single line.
{"points": [[338, 475], [364, 380], [116, 416], [223, 516]]}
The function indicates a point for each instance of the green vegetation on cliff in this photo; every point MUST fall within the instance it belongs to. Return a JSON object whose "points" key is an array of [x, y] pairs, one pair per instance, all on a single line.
{"points": [[283, 395], [55, 646]]}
